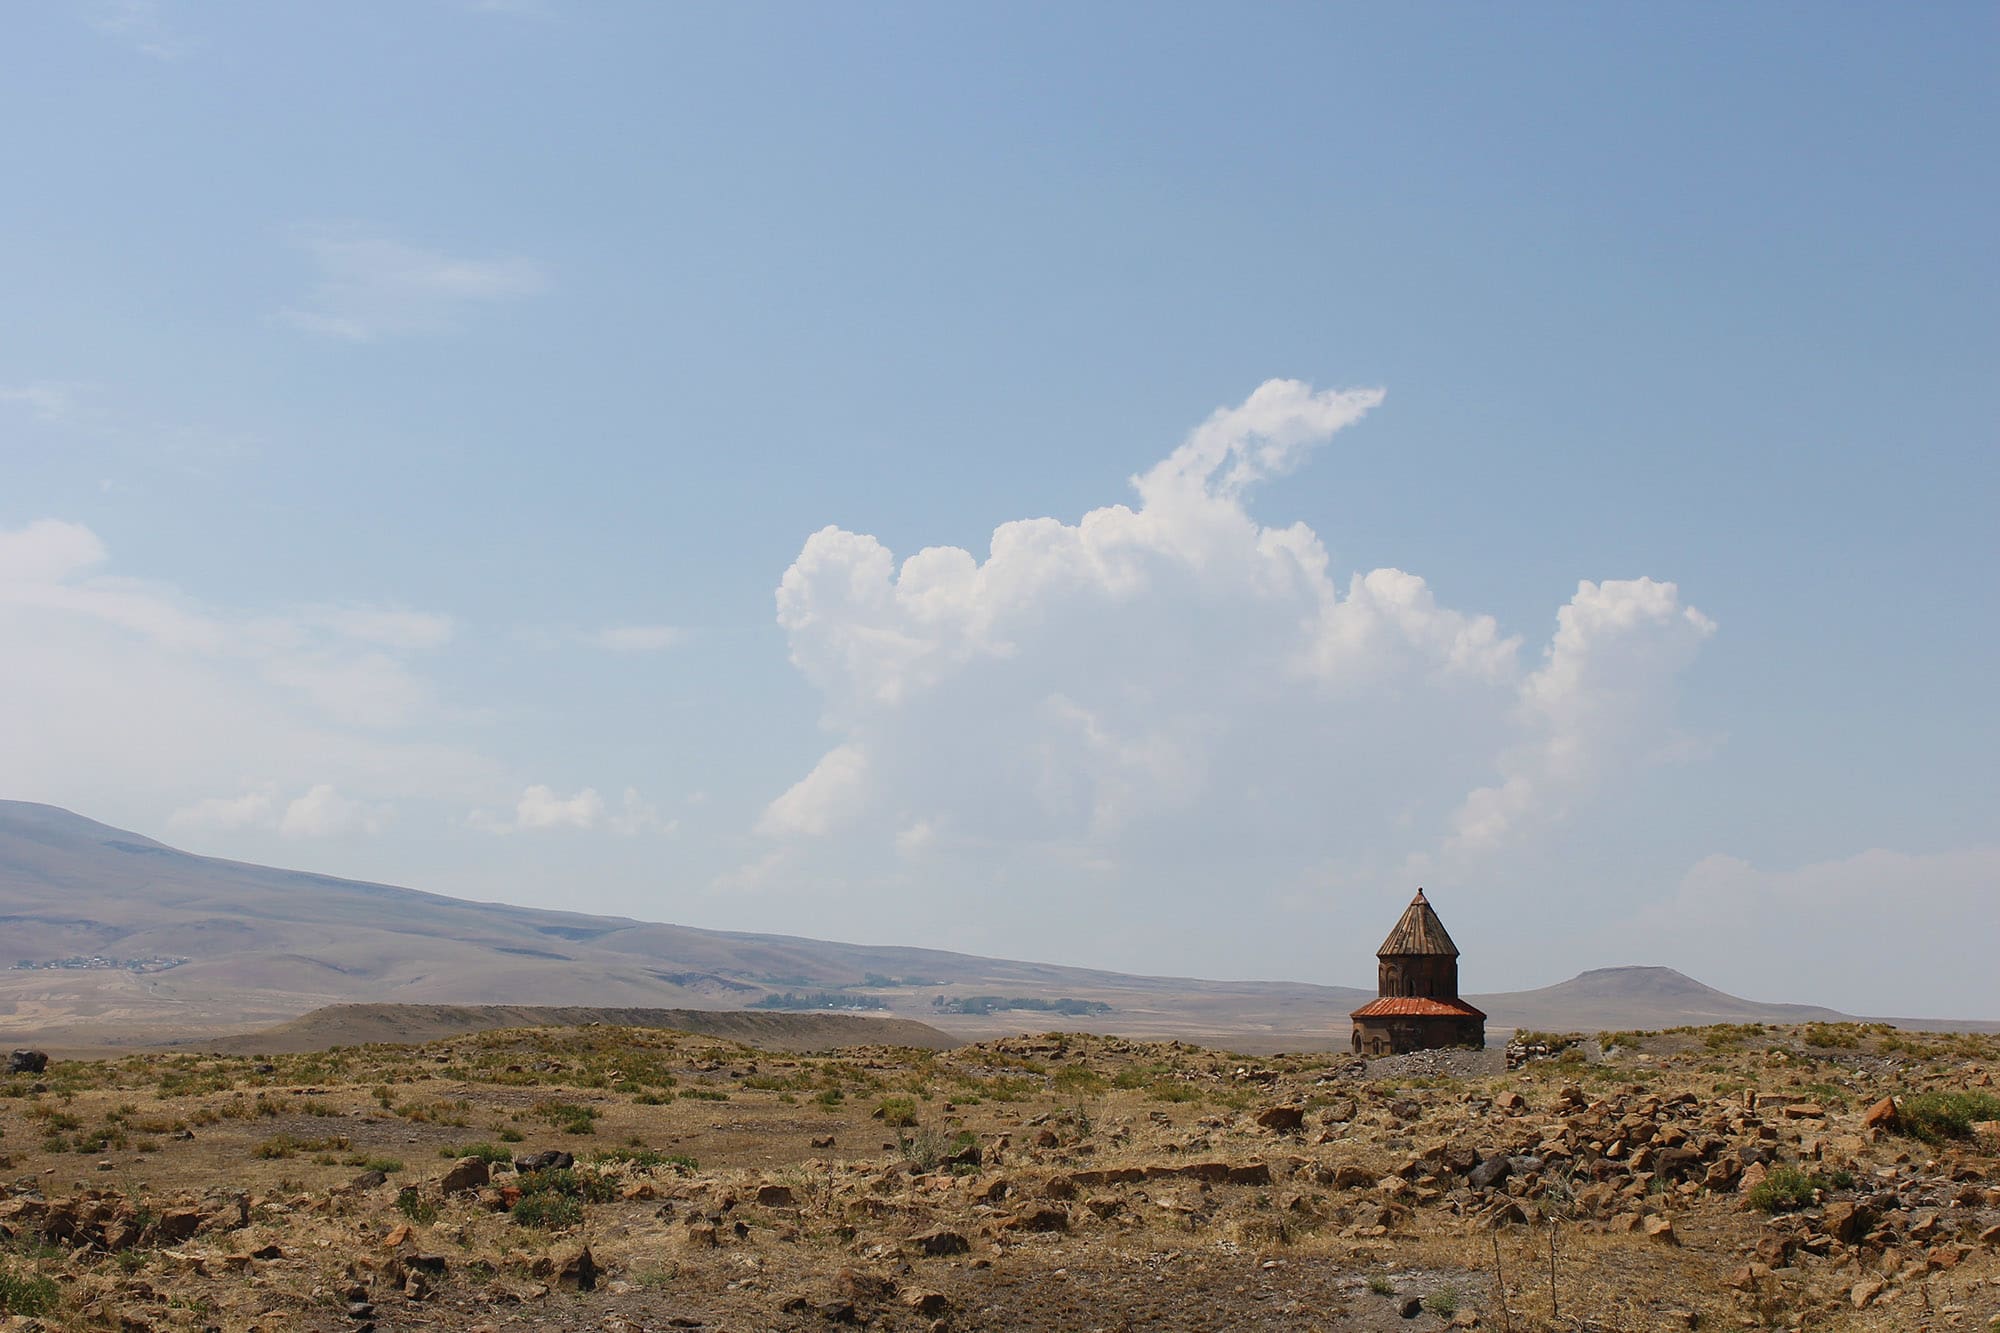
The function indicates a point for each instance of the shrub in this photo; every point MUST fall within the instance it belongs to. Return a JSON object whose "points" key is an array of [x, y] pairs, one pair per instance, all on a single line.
{"points": [[27, 1295], [777, 1082], [437, 1113], [1443, 1302], [927, 1149], [284, 1145], [1788, 1189], [547, 1211], [649, 1157], [1785, 1190], [568, 1182], [1554, 1041], [485, 1152], [1078, 1081], [415, 1206], [897, 1112], [1934, 1116], [568, 1117], [1139, 1075]]}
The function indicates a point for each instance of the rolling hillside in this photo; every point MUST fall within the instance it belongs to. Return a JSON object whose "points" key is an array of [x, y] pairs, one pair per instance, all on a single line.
{"points": [[189, 946]]}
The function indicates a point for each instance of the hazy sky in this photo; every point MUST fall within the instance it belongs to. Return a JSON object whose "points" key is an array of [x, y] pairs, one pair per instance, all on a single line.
{"points": [[1134, 485]]}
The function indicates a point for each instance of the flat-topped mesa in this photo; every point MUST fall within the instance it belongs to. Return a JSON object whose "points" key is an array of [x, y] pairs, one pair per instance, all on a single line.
{"points": [[1417, 981]]}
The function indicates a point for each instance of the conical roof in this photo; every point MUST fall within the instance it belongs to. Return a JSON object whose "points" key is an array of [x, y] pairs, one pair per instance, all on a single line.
{"points": [[1419, 931]]}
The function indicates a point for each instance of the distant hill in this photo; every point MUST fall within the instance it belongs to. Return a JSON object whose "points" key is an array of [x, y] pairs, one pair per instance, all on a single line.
{"points": [[264, 945], [410, 1024], [1611, 998], [131, 941]]}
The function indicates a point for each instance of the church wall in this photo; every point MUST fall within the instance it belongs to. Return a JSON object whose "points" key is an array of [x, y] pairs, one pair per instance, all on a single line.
{"points": [[1400, 1036], [1433, 977]]}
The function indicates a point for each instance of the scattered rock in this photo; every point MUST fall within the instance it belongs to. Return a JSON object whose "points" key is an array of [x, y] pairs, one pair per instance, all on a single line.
{"points": [[1747, 1277], [469, 1173], [1282, 1119], [177, 1225], [865, 1288], [941, 1243], [579, 1272], [1882, 1115], [1846, 1221], [1043, 1219], [551, 1160], [929, 1304]]}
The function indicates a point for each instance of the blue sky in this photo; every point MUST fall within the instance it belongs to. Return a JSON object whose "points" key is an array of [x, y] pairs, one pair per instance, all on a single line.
{"points": [[409, 413]]}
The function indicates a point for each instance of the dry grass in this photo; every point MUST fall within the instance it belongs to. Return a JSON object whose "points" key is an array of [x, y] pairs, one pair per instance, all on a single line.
{"points": [[706, 1187]]}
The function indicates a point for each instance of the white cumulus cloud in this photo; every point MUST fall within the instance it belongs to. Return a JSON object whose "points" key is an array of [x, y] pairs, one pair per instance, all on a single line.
{"points": [[541, 809], [321, 811], [1602, 683], [1168, 691], [836, 789], [324, 813], [252, 809]]}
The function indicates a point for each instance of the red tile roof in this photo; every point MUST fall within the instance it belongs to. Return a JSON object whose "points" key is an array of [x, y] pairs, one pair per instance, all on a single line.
{"points": [[1410, 1006]]}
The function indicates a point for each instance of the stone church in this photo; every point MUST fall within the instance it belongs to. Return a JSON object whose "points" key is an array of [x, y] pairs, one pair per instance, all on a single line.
{"points": [[1417, 979]]}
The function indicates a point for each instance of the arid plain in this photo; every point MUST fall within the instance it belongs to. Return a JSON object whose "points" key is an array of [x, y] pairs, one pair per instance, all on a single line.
{"points": [[282, 1101], [1827, 1176]]}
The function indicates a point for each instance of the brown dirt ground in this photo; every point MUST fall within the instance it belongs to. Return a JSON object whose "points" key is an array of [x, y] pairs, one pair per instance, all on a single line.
{"points": [[1290, 1244]]}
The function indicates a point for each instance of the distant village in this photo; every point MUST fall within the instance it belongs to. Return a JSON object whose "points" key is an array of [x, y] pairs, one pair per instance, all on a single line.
{"points": [[98, 963]]}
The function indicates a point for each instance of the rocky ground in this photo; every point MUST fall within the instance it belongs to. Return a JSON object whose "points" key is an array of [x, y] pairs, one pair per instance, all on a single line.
{"points": [[1825, 1177]]}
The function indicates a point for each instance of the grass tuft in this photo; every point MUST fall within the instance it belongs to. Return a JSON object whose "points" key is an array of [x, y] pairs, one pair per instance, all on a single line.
{"points": [[1937, 1116]]}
